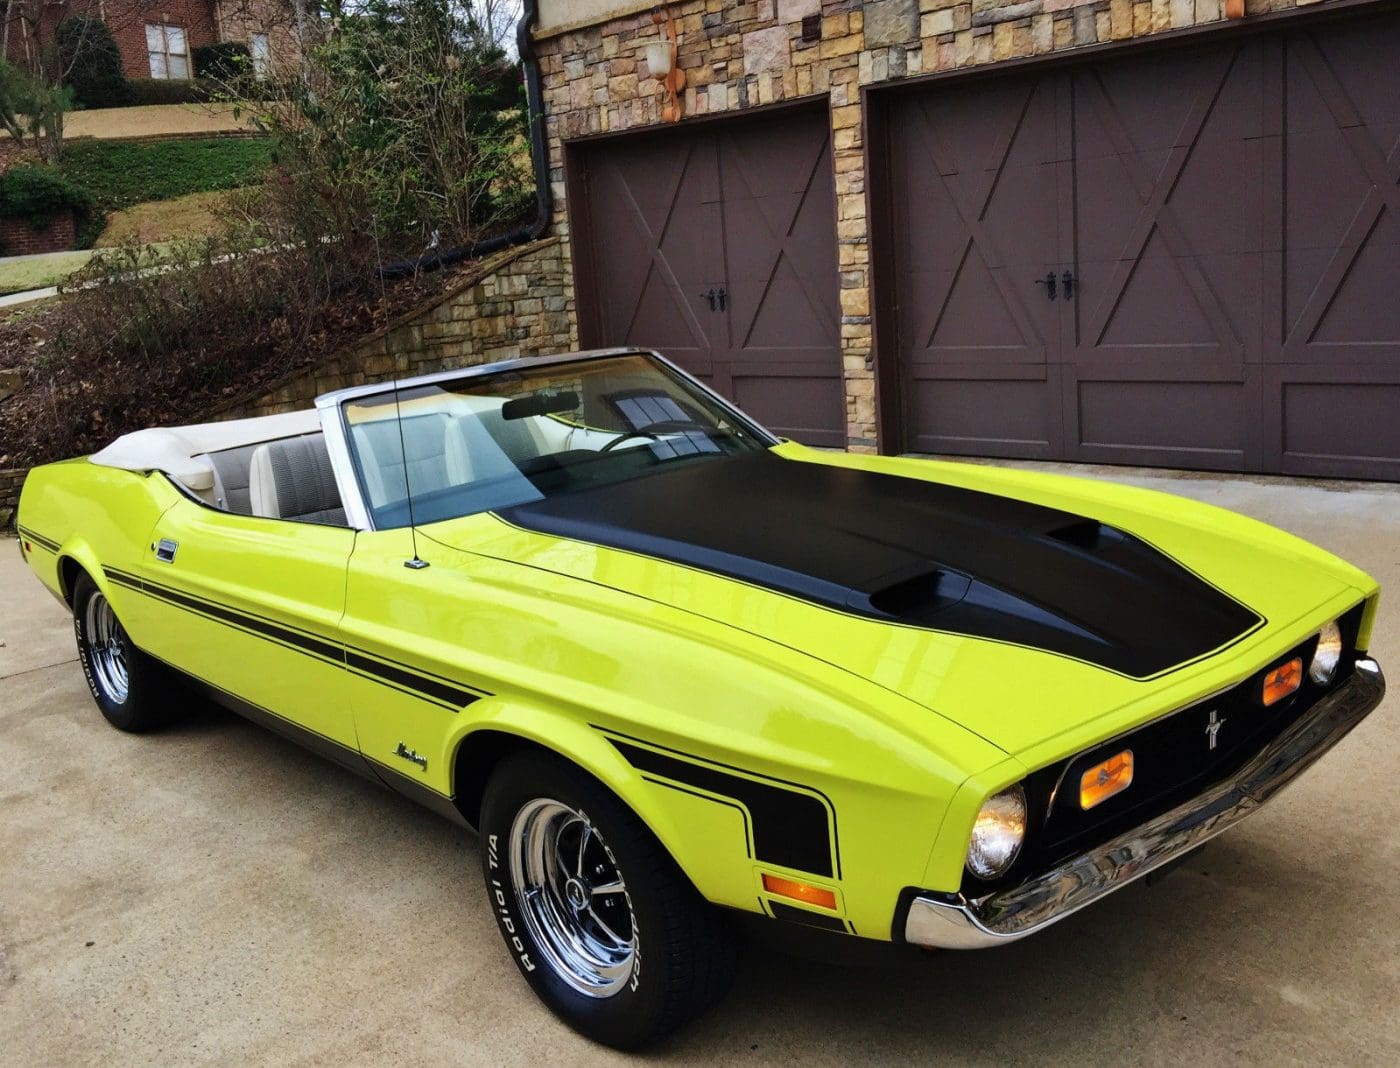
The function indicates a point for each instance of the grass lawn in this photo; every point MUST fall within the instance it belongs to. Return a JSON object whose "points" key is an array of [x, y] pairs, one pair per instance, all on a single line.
{"points": [[192, 215], [153, 120], [119, 174], [39, 272]]}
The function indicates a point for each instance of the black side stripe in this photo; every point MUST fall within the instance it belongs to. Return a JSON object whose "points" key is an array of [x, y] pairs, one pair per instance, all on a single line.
{"points": [[793, 826], [743, 812], [401, 677], [337, 752], [38, 539], [808, 919]]}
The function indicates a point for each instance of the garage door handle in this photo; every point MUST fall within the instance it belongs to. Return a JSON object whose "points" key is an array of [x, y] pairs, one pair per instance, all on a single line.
{"points": [[1049, 283], [716, 297]]}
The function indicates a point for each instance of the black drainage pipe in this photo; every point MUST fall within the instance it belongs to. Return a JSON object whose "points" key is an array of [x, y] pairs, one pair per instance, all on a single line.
{"points": [[539, 158]]}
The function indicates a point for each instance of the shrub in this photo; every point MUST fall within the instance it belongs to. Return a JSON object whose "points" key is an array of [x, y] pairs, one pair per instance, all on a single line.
{"points": [[142, 91], [222, 62], [37, 194], [88, 52], [391, 136], [146, 337], [121, 173], [32, 109]]}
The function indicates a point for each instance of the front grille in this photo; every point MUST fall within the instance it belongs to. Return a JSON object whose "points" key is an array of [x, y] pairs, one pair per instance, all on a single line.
{"points": [[1173, 761]]}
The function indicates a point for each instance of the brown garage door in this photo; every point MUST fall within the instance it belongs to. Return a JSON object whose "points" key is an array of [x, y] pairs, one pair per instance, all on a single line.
{"points": [[1185, 257], [717, 246]]}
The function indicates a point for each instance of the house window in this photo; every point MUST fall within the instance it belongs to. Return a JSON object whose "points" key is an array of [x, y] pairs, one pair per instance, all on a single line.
{"points": [[168, 50], [261, 51]]}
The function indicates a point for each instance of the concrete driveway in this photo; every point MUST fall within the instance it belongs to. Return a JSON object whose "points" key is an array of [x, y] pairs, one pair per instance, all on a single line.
{"points": [[214, 894]]}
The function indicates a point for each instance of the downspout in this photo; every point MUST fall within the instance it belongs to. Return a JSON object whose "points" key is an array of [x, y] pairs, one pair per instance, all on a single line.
{"points": [[539, 157]]}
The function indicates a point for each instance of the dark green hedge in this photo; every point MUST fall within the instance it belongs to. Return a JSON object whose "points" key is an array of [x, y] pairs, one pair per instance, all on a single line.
{"points": [[88, 51], [121, 173], [36, 194], [222, 62], [164, 91]]}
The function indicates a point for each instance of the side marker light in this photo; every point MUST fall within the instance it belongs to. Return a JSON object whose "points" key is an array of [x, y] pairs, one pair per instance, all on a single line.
{"points": [[804, 892], [1106, 780], [1282, 681]]}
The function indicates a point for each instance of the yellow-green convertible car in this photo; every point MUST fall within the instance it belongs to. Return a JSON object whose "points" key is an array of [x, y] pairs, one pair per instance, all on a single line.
{"points": [[671, 667]]}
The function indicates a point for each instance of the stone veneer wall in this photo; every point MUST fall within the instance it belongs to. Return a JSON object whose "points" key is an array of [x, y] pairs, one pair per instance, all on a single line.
{"points": [[10, 482], [508, 305], [736, 56], [511, 304]]}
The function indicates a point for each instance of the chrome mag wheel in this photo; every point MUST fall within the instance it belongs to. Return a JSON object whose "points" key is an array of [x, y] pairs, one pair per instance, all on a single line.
{"points": [[573, 898], [106, 643]]}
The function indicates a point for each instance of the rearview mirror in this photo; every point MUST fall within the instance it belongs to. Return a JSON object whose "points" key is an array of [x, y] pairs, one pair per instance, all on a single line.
{"points": [[539, 404]]}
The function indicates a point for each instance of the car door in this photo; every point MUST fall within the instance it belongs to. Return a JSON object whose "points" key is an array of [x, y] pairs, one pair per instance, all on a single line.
{"points": [[252, 606], [416, 655]]}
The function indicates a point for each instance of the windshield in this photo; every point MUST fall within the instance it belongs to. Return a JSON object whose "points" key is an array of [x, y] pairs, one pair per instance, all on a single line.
{"points": [[492, 441]]}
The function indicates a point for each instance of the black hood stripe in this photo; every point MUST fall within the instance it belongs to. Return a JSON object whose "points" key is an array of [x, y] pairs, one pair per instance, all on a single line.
{"points": [[913, 553]]}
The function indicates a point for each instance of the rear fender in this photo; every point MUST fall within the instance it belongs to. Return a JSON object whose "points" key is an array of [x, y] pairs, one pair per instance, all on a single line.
{"points": [[74, 555]]}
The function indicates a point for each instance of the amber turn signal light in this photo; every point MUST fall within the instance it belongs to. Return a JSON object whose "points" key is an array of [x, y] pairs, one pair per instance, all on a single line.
{"points": [[1282, 681], [805, 892], [1103, 781]]}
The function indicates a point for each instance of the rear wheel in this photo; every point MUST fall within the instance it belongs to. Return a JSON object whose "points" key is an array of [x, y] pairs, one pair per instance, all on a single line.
{"points": [[134, 692], [600, 920]]}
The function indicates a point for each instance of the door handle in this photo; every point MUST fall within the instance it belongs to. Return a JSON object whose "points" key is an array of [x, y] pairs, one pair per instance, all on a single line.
{"points": [[165, 550], [717, 296], [1049, 283], [1067, 280]]}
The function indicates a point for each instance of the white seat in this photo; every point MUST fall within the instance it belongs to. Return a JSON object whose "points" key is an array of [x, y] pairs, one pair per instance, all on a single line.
{"points": [[293, 479]]}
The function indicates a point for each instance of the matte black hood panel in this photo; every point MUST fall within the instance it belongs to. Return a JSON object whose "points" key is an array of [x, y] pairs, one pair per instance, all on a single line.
{"points": [[915, 553]]}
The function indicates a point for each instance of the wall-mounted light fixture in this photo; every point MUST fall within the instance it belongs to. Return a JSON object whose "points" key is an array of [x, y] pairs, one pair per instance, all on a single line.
{"points": [[661, 64]]}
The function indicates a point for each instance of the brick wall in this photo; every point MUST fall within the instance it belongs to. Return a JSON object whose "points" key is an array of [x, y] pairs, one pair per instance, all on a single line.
{"points": [[204, 21], [239, 21], [127, 20], [18, 238], [738, 56]]}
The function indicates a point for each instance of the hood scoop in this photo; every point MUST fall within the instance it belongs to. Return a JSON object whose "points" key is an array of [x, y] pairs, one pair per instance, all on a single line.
{"points": [[912, 553]]}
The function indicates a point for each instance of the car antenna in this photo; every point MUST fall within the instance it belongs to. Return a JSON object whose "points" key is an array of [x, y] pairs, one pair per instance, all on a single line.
{"points": [[417, 563]]}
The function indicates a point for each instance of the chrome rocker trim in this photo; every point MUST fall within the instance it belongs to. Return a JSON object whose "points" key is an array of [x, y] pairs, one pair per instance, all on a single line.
{"points": [[951, 921]]}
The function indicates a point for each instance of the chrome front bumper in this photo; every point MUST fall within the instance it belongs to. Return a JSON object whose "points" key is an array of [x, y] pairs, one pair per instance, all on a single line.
{"points": [[951, 921]]}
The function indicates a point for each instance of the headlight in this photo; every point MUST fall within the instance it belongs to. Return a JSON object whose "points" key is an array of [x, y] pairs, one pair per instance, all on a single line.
{"points": [[998, 833], [1328, 655]]}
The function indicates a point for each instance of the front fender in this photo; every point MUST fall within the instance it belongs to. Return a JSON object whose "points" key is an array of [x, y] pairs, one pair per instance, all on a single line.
{"points": [[698, 835]]}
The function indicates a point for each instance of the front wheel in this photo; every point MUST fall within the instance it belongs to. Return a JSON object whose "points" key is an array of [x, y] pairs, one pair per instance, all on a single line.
{"points": [[599, 919]]}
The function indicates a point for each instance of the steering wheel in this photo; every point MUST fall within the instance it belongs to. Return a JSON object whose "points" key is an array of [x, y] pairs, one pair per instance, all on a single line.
{"points": [[654, 431]]}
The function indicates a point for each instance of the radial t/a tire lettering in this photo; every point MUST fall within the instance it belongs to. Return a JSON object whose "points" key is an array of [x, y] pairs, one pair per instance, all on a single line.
{"points": [[596, 915]]}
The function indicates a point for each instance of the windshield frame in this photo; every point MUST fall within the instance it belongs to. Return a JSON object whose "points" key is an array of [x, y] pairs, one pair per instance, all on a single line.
{"points": [[334, 421]]}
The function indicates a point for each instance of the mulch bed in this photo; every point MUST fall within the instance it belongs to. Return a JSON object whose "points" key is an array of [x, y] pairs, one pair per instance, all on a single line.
{"points": [[61, 410]]}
